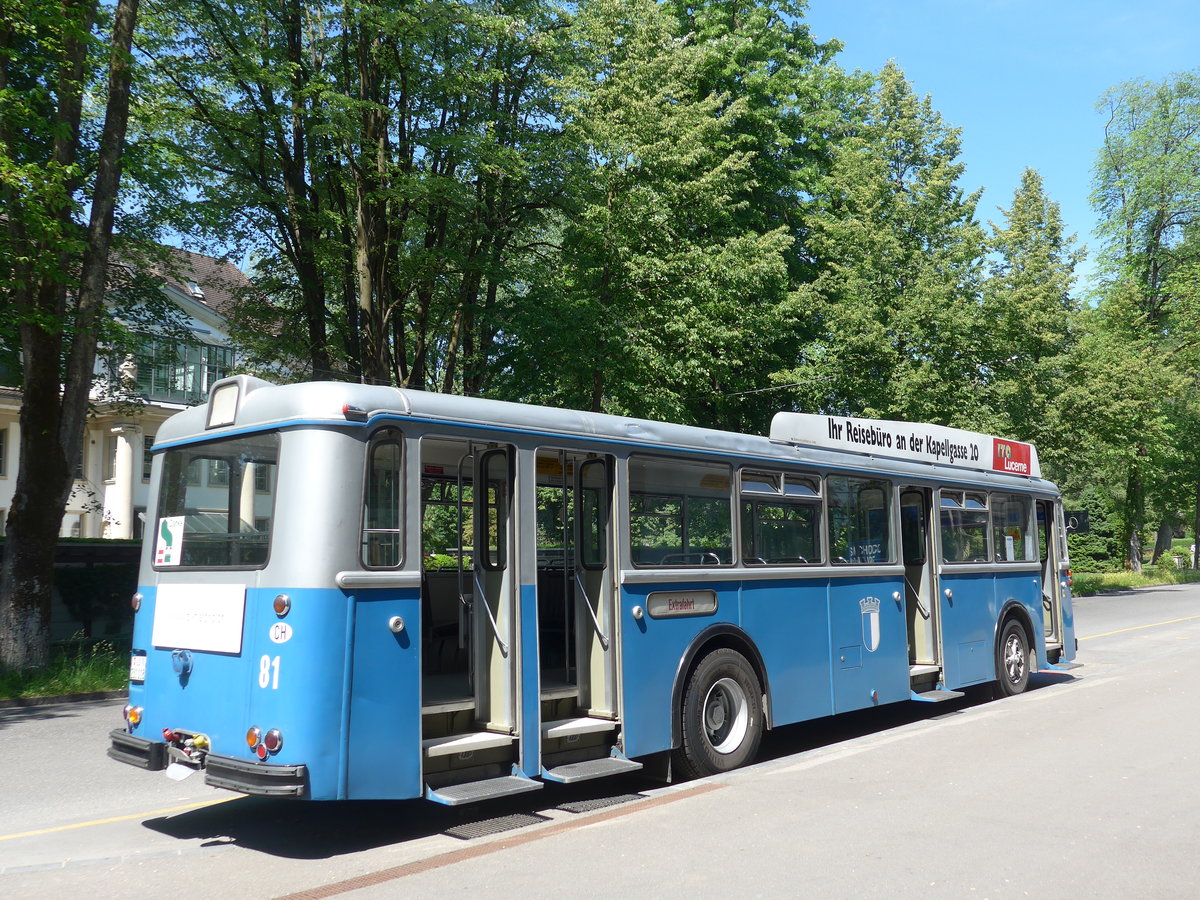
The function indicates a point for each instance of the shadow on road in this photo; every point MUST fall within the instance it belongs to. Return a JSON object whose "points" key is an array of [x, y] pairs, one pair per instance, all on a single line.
{"points": [[299, 830]]}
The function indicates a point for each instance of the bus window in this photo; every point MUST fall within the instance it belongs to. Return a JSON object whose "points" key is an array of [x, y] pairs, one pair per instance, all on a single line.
{"points": [[381, 540], [493, 533], [680, 513], [1012, 533], [859, 520], [225, 524], [781, 516], [964, 522], [593, 512]]}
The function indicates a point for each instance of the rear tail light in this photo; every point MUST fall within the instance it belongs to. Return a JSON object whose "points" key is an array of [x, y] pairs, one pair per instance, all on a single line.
{"points": [[133, 715], [273, 741], [1070, 579], [253, 737], [136, 601]]}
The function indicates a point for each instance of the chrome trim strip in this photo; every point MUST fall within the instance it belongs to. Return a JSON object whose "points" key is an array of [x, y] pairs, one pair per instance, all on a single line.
{"points": [[351, 580], [764, 573]]}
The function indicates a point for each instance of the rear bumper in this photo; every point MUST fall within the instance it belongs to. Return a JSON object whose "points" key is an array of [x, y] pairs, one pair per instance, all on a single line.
{"points": [[137, 751], [260, 779]]}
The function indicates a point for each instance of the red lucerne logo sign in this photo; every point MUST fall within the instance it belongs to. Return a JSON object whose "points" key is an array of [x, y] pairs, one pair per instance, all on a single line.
{"points": [[1010, 456]]}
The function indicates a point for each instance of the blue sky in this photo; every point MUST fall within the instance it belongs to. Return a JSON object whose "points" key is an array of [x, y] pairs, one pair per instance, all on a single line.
{"points": [[1020, 77]]}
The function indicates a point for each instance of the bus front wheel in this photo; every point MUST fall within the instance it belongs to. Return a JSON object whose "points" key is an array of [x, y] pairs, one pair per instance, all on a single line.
{"points": [[1012, 659], [722, 718]]}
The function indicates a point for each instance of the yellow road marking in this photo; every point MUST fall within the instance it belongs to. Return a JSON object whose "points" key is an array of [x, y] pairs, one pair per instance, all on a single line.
{"points": [[1138, 628], [153, 812]]}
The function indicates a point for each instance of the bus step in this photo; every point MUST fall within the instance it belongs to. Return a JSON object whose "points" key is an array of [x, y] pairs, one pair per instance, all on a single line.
{"points": [[1061, 667], [487, 789], [591, 768], [918, 670], [465, 743], [584, 725], [936, 696]]}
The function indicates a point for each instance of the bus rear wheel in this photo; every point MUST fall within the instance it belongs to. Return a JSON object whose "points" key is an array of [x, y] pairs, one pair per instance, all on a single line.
{"points": [[722, 716], [1012, 659]]}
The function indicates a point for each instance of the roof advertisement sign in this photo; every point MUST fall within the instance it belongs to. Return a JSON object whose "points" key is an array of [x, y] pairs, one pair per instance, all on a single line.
{"points": [[908, 440]]}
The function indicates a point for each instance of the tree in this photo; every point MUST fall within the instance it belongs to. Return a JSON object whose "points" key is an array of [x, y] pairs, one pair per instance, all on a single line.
{"points": [[1028, 308], [1147, 191], [53, 271], [656, 289], [899, 260]]}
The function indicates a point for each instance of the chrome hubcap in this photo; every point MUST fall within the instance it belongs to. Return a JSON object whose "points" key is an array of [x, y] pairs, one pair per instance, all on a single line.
{"points": [[726, 715], [1014, 659]]}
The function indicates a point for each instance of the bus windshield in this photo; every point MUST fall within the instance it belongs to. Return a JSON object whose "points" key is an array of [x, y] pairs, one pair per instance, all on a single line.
{"points": [[216, 504]]}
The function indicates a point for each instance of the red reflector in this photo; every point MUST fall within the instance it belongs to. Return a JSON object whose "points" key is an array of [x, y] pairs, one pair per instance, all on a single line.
{"points": [[273, 740], [261, 751], [168, 735]]}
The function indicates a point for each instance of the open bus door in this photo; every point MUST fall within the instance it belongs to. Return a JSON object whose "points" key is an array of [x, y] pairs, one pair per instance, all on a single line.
{"points": [[1057, 623], [470, 714], [576, 588]]}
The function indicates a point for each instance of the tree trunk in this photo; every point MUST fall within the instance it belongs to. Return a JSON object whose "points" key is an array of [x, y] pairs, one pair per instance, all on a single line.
{"points": [[1135, 512], [52, 425], [1162, 540], [1196, 531]]}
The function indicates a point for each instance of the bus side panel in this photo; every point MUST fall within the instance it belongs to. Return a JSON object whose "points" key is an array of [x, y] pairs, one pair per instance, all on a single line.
{"points": [[1026, 589], [870, 642], [789, 622], [384, 753], [968, 627], [651, 653]]}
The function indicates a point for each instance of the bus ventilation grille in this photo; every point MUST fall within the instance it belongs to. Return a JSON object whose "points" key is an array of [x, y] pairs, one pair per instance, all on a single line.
{"points": [[582, 806], [484, 827]]}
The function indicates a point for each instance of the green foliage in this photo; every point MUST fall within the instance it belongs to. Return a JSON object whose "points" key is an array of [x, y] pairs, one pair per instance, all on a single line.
{"points": [[1101, 548], [81, 667]]}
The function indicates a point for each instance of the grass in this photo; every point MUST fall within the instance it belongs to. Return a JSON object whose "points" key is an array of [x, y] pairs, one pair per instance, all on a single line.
{"points": [[1085, 583], [80, 669]]}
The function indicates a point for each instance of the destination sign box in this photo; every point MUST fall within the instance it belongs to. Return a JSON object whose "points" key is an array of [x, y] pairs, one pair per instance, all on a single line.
{"points": [[909, 440]]}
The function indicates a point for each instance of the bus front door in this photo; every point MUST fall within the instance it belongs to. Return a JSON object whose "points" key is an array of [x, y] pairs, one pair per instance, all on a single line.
{"points": [[1056, 623], [577, 711]]}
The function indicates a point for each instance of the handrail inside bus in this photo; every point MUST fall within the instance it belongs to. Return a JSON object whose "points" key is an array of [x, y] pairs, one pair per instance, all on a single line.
{"points": [[591, 612]]}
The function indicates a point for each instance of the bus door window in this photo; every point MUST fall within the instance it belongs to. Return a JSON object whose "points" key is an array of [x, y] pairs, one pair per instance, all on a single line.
{"points": [[1045, 522], [860, 529], [555, 518], [447, 524], [964, 527], [680, 513], [781, 519], [918, 577]]}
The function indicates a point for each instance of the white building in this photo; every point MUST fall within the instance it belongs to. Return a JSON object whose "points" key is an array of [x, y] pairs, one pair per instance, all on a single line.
{"points": [[112, 478]]}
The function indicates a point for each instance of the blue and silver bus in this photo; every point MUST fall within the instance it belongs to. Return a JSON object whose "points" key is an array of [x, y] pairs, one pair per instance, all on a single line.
{"points": [[353, 592]]}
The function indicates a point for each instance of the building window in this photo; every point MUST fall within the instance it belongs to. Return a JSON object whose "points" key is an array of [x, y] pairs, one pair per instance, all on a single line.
{"points": [[147, 457], [3, 452], [3, 521], [110, 457], [178, 371]]}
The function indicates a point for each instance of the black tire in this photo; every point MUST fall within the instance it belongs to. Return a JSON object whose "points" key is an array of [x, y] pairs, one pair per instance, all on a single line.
{"points": [[722, 718], [1012, 660]]}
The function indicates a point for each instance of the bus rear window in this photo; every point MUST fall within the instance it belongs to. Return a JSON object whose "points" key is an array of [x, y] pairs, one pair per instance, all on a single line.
{"points": [[216, 504]]}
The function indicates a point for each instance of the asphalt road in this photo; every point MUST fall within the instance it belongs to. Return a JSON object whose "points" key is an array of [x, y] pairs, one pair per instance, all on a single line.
{"points": [[1085, 786]]}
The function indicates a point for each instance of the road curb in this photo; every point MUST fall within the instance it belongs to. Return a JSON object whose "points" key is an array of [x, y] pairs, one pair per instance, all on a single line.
{"points": [[24, 702]]}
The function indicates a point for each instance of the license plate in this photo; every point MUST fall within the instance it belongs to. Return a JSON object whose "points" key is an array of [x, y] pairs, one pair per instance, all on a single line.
{"points": [[137, 667]]}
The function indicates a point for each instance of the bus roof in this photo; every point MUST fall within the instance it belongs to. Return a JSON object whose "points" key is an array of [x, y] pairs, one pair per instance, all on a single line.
{"points": [[243, 403]]}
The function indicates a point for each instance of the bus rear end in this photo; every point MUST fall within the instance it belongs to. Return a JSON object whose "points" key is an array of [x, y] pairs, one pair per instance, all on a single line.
{"points": [[239, 660]]}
